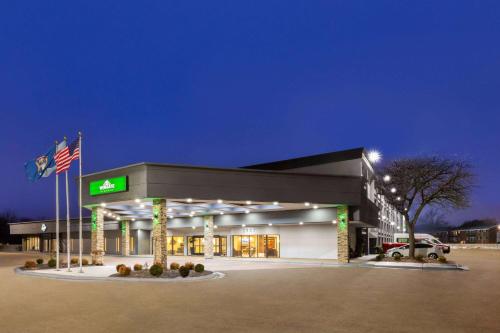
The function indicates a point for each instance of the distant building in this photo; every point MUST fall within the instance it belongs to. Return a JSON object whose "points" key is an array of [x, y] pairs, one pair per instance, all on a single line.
{"points": [[471, 232]]}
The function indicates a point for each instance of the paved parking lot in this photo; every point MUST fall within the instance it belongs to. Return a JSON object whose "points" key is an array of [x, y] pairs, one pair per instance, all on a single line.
{"points": [[279, 299]]}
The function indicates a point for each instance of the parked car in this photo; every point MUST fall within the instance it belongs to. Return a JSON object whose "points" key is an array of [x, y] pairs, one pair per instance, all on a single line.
{"points": [[405, 238], [423, 249]]}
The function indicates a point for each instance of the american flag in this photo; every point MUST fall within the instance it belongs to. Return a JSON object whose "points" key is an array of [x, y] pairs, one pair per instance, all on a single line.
{"points": [[66, 155]]}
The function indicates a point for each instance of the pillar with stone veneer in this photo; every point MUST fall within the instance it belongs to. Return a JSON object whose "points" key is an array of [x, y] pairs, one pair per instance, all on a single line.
{"points": [[342, 234], [208, 233], [125, 235], [160, 231], [97, 235]]}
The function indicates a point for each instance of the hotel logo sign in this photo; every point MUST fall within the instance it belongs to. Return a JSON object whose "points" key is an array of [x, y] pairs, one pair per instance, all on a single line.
{"points": [[108, 185]]}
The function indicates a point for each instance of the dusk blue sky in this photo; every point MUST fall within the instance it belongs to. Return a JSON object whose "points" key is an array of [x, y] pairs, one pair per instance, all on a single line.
{"points": [[231, 83]]}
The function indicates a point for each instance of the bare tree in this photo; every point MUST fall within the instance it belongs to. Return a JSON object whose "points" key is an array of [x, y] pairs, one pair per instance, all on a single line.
{"points": [[412, 184]]}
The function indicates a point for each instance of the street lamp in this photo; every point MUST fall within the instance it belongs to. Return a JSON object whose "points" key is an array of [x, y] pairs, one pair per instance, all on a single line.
{"points": [[374, 156]]}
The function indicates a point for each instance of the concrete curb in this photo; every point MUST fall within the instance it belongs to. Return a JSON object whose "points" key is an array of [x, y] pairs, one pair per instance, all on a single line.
{"points": [[34, 273], [423, 266]]}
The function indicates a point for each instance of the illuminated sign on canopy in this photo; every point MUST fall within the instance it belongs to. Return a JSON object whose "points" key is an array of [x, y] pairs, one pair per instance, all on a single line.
{"points": [[109, 185]]}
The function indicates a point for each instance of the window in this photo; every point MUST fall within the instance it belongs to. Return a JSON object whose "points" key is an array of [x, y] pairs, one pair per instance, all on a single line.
{"points": [[256, 246], [175, 245]]}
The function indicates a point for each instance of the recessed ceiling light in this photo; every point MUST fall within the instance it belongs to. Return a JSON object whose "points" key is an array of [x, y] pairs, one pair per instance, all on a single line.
{"points": [[387, 178], [248, 202], [118, 218], [103, 204], [221, 213], [243, 225], [247, 211], [301, 223], [393, 190], [133, 219], [276, 203], [215, 227], [269, 224], [334, 221], [137, 200], [307, 204], [219, 201], [315, 207], [142, 205], [189, 200]]}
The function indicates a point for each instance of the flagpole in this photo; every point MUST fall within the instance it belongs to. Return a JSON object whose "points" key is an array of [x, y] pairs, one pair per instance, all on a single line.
{"points": [[57, 219], [80, 198], [68, 231]]}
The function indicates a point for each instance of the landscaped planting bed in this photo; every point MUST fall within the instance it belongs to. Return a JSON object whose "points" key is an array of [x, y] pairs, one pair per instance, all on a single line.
{"points": [[158, 271]]}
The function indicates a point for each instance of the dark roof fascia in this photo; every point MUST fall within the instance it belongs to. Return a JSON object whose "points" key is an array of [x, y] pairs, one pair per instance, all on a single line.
{"points": [[306, 161], [191, 167]]}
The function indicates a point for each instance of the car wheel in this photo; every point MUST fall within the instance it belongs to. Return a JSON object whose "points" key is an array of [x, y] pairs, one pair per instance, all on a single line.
{"points": [[433, 256], [396, 253]]}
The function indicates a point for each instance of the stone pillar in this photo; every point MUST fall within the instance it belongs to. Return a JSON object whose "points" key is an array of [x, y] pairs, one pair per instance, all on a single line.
{"points": [[342, 234], [160, 231], [97, 233], [125, 226], [208, 233]]}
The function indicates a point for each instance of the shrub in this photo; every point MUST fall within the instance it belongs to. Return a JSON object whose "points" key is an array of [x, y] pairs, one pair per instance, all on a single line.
{"points": [[419, 258], [380, 257], [74, 261], [52, 263], [118, 267], [85, 262], [156, 270], [184, 271], [174, 266], [124, 270], [397, 257], [30, 264], [199, 268], [189, 265], [442, 259], [137, 267], [39, 261]]}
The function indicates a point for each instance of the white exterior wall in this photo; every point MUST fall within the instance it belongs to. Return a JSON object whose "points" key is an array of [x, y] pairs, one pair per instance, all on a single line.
{"points": [[312, 241], [309, 241]]}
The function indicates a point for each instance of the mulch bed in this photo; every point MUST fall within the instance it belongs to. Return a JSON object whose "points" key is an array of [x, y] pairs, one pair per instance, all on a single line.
{"points": [[408, 260], [167, 274]]}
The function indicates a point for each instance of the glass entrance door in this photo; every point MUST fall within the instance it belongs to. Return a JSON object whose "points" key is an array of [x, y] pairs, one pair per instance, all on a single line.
{"points": [[196, 246]]}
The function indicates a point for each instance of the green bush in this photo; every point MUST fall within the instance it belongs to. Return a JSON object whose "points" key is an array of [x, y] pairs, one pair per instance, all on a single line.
{"points": [[380, 257], [174, 266], [189, 265], [137, 267], [442, 259], [85, 262], [156, 270], [74, 261], [199, 268], [52, 263], [39, 261], [30, 264], [118, 267], [124, 270], [184, 271], [397, 257]]}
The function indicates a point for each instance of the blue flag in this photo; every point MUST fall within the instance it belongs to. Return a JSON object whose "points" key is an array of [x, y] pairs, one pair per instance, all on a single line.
{"points": [[42, 166]]}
